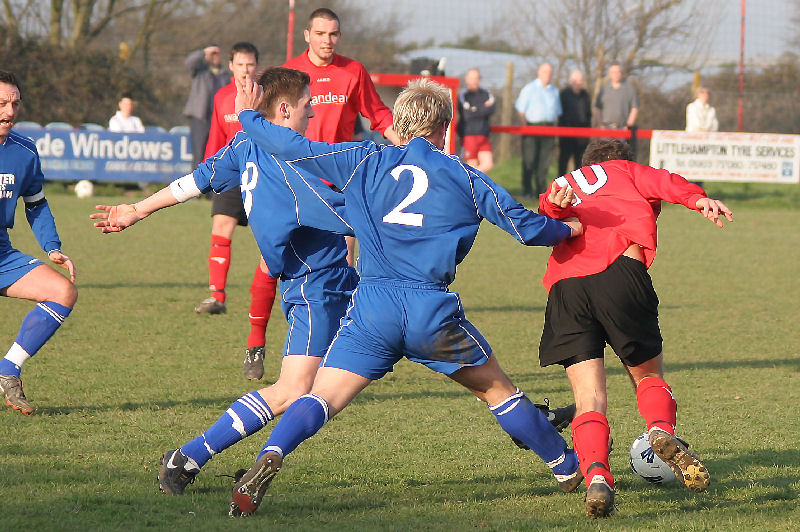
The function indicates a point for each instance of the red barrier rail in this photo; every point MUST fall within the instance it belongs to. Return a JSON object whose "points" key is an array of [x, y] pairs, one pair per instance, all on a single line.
{"points": [[582, 132]]}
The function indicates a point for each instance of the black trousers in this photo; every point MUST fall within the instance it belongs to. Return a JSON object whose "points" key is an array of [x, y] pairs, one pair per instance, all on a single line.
{"points": [[570, 147], [198, 135], [536, 154]]}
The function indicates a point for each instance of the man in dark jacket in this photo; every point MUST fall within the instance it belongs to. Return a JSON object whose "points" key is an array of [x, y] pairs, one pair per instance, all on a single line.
{"points": [[208, 76], [475, 107], [576, 107]]}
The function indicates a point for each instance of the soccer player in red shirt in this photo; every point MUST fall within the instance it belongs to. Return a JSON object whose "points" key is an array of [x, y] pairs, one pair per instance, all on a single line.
{"points": [[340, 87], [600, 292], [227, 212]]}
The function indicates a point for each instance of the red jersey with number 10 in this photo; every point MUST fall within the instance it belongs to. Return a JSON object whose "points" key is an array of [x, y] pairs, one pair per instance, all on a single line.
{"points": [[339, 92], [618, 203]]}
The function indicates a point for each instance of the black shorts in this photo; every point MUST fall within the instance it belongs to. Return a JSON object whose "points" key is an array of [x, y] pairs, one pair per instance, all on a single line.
{"points": [[617, 306], [229, 203]]}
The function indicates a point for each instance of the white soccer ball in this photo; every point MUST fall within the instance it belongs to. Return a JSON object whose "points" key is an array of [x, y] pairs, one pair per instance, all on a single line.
{"points": [[647, 464], [84, 189]]}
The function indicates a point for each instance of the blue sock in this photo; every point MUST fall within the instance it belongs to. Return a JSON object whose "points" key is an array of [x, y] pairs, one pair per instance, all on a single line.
{"points": [[37, 327], [520, 419], [300, 421], [246, 416]]}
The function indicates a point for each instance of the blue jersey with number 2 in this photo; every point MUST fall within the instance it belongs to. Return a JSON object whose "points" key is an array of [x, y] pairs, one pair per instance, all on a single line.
{"points": [[414, 209]]}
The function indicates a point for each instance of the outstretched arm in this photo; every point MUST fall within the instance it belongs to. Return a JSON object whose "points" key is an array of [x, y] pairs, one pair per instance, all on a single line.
{"points": [[712, 209], [115, 218]]}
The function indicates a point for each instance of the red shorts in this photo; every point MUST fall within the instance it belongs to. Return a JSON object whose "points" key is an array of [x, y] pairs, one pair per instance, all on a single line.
{"points": [[473, 144]]}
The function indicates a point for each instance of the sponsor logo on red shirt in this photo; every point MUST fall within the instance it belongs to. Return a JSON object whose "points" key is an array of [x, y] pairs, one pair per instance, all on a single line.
{"points": [[231, 117], [329, 98]]}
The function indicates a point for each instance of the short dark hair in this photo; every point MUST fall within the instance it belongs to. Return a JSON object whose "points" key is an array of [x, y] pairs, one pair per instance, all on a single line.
{"points": [[322, 12], [11, 79], [606, 150], [244, 47], [278, 83], [126, 95]]}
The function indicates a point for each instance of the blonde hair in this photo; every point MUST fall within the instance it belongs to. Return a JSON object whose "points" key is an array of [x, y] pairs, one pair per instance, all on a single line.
{"points": [[421, 109]]}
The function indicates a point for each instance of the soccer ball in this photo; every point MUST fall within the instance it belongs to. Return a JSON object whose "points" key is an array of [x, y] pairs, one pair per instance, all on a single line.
{"points": [[646, 464], [84, 189]]}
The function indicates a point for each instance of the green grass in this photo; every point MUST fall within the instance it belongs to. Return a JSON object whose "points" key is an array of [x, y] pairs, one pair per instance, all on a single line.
{"points": [[134, 372]]}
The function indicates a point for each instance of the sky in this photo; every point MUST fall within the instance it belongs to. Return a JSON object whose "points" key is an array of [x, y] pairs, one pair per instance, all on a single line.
{"points": [[768, 22]]}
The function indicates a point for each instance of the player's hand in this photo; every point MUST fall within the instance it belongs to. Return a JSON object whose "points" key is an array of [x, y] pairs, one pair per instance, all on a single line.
{"points": [[575, 225], [561, 197], [248, 94], [711, 209], [115, 218], [56, 257]]}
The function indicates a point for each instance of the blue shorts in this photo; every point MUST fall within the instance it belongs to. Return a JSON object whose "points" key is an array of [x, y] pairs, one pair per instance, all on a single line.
{"points": [[314, 306], [14, 264], [388, 321]]}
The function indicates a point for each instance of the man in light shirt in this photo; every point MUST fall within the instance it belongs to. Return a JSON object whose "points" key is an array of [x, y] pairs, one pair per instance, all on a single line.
{"points": [[538, 104], [700, 116], [124, 121]]}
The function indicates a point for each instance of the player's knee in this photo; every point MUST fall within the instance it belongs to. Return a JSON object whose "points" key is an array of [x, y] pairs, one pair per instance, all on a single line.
{"points": [[64, 293]]}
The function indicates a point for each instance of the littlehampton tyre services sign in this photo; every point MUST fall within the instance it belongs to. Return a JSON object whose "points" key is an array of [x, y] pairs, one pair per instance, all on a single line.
{"points": [[747, 157]]}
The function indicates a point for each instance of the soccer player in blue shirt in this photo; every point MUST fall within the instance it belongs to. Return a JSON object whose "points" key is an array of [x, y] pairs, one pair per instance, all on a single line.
{"points": [[23, 276], [415, 211], [316, 281]]}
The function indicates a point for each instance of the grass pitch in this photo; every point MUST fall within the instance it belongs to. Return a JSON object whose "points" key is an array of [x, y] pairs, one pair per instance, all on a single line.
{"points": [[134, 372]]}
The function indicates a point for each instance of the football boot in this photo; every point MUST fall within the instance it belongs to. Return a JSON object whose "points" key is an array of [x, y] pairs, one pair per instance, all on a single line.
{"points": [[173, 476], [599, 498], [686, 465], [12, 391], [254, 363], [250, 488], [211, 305]]}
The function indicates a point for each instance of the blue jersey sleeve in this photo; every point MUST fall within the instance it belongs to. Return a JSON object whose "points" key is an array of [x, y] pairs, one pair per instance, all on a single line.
{"points": [[496, 205], [43, 225], [333, 162], [220, 172], [37, 211]]}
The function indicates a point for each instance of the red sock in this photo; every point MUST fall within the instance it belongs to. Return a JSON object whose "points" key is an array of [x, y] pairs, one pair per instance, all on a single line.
{"points": [[656, 404], [219, 260], [262, 296], [590, 433]]}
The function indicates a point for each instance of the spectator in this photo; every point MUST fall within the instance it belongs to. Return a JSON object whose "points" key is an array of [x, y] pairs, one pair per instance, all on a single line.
{"points": [[475, 107], [208, 76], [577, 112], [538, 105], [617, 104], [700, 116], [124, 121]]}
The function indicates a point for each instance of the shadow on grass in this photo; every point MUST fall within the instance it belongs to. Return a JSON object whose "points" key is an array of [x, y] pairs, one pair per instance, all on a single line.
{"points": [[129, 406], [503, 308], [716, 365], [118, 285]]}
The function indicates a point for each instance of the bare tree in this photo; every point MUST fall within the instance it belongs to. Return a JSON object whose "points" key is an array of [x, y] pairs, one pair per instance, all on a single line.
{"points": [[591, 34], [76, 23]]}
